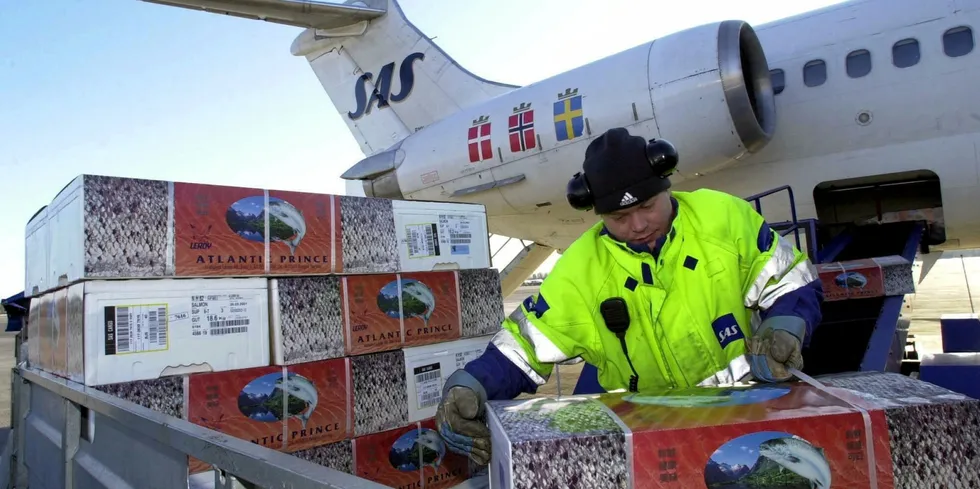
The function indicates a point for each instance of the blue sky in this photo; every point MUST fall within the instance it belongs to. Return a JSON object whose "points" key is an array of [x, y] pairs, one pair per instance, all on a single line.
{"points": [[128, 88]]}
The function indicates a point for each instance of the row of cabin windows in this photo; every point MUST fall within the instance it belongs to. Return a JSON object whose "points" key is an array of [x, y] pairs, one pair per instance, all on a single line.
{"points": [[957, 41]]}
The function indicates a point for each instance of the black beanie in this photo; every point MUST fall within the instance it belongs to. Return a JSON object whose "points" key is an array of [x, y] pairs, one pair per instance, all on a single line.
{"points": [[618, 172]]}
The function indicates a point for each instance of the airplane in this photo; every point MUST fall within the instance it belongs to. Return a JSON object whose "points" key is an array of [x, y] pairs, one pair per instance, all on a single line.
{"points": [[867, 110]]}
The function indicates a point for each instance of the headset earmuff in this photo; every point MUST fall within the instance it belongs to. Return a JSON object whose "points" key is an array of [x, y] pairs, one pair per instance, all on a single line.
{"points": [[662, 157], [578, 193]]}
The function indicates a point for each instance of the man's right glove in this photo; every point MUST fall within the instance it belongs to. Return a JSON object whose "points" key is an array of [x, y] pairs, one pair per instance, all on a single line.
{"points": [[460, 417], [775, 348]]}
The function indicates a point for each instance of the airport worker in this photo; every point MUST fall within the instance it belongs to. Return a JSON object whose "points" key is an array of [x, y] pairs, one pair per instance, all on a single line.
{"points": [[668, 290]]}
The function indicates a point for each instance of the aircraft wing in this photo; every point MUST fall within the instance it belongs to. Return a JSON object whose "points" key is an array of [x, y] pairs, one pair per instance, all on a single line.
{"points": [[300, 13]]}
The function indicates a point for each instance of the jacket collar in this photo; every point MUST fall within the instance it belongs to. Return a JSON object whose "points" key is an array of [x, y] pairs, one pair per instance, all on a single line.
{"points": [[645, 248]]}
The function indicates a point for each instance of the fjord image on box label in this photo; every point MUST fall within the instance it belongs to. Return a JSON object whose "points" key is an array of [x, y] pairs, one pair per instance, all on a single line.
{"points": [[320, 394], [430, 307], [246, 404], [304, 233], [768, 459]]}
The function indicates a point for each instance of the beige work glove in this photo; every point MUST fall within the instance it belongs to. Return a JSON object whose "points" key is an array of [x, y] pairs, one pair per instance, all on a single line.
{"points": [[775, 348], [459, 419]]}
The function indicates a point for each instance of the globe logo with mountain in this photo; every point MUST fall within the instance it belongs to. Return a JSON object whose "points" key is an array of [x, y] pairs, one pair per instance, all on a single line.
{"points": [[417, 300], [287, 225]]}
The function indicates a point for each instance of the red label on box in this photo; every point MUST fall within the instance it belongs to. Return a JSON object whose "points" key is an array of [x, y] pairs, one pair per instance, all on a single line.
{"points": [[851, 279], [258, 404], [408, 458], [371, 313], [770, 436], [319, 402], [304, 233], [218, 230], [246, 404], [430, 306]]}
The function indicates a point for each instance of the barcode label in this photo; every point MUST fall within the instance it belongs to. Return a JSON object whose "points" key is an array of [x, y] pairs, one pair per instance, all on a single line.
{"points": [[422, 240], [230, 322], [428, 385], [427, 377], [455, 231], [138, 328], [428, 399], [224, 331], [122, 330], [220, 314]]}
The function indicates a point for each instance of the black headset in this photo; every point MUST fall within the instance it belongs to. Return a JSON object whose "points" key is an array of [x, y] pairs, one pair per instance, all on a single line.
{"points": [[661, 154]]}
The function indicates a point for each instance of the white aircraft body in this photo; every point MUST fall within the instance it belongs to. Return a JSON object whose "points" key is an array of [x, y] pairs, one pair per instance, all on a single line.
{"points": [[867, 110]]}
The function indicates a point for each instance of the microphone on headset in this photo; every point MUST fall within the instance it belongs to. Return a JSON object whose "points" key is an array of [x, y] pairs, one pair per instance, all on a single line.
{"points": [[617, 317]]}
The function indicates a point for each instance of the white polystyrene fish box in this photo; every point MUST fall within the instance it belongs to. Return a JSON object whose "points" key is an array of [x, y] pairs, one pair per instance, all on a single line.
{"points": [[427, 368], [126, 330], [441, 236], [102, 227], [36, 246]]}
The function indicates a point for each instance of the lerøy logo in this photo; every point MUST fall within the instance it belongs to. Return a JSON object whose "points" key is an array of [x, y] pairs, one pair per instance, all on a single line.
{"points": [[382, 86]]}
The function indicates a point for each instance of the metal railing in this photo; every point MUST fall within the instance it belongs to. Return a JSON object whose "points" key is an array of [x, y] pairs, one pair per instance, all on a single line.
{"points": [[794, 225], [68, 435]]}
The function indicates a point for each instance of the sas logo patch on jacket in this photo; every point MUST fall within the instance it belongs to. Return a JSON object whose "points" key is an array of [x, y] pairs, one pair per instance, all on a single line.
{"points": [[538, 307], [727, 330]]}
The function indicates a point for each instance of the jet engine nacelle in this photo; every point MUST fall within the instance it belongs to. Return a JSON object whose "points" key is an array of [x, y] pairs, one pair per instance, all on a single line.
{"points": [[705, 89]]}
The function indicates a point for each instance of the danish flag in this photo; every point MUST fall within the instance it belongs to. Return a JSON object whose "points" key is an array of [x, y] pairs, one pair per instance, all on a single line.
{"points": [[479, 142], [521, 129]]}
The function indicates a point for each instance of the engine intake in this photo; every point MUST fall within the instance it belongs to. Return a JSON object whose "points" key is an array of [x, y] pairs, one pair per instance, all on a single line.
{"points": [[712, 94]]}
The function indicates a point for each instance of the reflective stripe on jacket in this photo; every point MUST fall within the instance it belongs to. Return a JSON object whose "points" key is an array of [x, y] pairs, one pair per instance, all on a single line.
{"points": [[692, 302]]}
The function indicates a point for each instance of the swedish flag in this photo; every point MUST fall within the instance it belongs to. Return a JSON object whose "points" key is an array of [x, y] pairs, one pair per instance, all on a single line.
{"points": [[569, 121]]}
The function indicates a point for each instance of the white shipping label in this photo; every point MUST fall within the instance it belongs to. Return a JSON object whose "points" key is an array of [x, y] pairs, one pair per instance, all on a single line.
{"points": [[464, 357], [428, 385], [422, 240], [219, 314], [136, 328], [456, 232]]}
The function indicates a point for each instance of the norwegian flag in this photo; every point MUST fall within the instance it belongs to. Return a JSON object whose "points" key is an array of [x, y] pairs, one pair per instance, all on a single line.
{"points": [[521, 129], [479, 143]]}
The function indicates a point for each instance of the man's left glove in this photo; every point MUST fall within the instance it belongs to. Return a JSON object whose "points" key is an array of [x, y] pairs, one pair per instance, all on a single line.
{"points": [[775, 347], [459, 417]]}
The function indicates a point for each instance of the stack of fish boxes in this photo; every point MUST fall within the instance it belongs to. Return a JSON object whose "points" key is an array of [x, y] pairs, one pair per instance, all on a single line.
{"points": [[319, 325]]}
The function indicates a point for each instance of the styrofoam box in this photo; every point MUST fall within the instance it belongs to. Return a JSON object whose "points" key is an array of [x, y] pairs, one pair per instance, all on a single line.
{"points": [[187, 325], [36, 245], [427, 368], [441, 236], [103, 227]]}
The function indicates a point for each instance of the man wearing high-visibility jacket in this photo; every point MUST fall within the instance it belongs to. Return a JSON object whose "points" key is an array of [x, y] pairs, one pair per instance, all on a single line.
{"points": [[669, 289]]}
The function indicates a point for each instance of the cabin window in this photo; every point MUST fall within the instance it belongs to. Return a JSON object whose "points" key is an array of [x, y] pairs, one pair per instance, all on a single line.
{"points": [[858, 63], [815, 73], [778, 77], [905, 53], [958, 41]]}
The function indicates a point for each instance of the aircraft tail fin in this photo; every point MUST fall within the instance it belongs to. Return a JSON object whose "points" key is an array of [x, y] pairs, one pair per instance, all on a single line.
{"points": [[386, 78]]}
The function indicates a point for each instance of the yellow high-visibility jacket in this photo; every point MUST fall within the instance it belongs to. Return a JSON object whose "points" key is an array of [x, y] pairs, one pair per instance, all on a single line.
{"points": [[693, 300]]}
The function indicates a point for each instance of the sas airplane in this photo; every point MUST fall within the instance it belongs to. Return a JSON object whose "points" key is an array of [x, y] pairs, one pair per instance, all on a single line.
{"points": [[867, 110]]}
